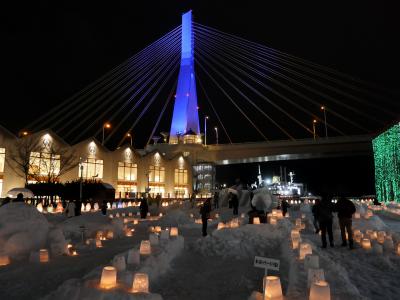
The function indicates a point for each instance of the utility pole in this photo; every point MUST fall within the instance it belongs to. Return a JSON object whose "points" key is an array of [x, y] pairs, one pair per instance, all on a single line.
{"points": [[313, 124], [216, 133], [205, 130], [323, 108]]}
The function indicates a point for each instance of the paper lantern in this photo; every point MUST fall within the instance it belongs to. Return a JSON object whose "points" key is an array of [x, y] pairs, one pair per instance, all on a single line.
{"points": [[74, 253], [388, 245], [50, 209], [148, 214], [135, 222], [377, 248], [110, 234], [287, 215], [381, 237], [164, 235], [126, 220], [59, 208], [108, 205], [320, 291], [108, 278], [174, 231], [272, 220], [140, 283], [311, 261], [43, 255], [294, 233], [198, 221], [216, 216], [4, 260], [145, 247], [111, 216], [96, 206], [129, 203], [123, 214], [39, 207], [130, 214], [88, 207], [83, 207], [98, 243], [315, 275], [157, 229], [304, 249], [356, 215], [117, 215], [119, 263], [133, 257], [303, 216], [220, 226], [114, 205], [160, 214], [242, 215], [153, 238], [256, 220], [296, 242], [191, 215], [138, 213], [272, 288], [366, 244], [128, 232]]}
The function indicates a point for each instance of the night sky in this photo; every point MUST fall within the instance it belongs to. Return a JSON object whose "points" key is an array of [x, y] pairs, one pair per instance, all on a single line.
{"points": [[51, 51]]}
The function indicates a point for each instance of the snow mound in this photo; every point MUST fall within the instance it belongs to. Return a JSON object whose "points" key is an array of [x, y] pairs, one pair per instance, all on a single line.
{"points": [[175, 218], [22, 229], [243, 242]]}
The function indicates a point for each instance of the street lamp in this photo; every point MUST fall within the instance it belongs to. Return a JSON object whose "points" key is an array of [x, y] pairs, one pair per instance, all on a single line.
{"points": [[314, 122], [129, 136], [216, 133], [108, 126], [323, 108], [205, 130], [23, 133], [81, 177]]}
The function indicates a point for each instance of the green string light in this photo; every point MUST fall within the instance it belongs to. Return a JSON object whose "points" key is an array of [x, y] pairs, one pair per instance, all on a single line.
{"points": [[387, 164]]}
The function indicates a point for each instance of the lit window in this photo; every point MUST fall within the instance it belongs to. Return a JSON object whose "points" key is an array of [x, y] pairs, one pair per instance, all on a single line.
{"points": [[44, 164], [92, 169], [125, 190], [181, 176], [156, 174], [127, 171], [2, 158]]}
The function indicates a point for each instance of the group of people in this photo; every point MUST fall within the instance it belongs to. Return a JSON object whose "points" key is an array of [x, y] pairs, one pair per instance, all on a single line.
{"points": [[323, 220]]}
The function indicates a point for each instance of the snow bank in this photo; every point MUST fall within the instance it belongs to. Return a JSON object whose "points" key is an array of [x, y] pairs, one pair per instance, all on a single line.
{"points": [[22, 229]]}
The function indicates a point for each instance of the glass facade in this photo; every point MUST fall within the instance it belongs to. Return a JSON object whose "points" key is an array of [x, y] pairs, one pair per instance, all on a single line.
{"points": [[42, 164], [92, 169], [203, 178], [2, 159], [127, 171]]}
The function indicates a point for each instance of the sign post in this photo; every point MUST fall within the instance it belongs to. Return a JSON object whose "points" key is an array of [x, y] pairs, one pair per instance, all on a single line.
{"points": [[266, 263]]}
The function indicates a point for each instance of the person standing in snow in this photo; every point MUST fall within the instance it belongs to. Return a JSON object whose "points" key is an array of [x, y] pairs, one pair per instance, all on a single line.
{"points": [[70, 209], [216, 200], [205, 210], [345, 209], [325, 219], [144, 207], [104, 207], [284, 206], [314, 212]]}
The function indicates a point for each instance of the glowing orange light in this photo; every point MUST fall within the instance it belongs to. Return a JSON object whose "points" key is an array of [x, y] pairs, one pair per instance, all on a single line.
{"points": [[107, 125]]}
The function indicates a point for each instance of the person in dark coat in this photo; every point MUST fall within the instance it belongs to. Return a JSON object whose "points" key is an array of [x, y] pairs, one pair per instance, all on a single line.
{"points": [[235, 204], [324, 215], [20, 198], [284, 206], [205, 210], [345, 209], [216, 200], [144, 207], [104, 207], [314, 212]]}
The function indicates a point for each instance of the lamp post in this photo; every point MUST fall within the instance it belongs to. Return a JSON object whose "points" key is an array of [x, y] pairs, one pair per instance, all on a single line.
{"points": [[108, 126], [81, 178], [205, 130], [314, 122], [130, 136], [323, 108], [216, 133]]}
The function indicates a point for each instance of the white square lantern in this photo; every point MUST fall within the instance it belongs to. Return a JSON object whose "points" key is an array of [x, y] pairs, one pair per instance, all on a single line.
{"points": [[174, 232], [320, 290], [108, 278], [304, 249], [366, 244], [44, 255], [272, 288], [256, 220], [145, 247], [140, 283]]}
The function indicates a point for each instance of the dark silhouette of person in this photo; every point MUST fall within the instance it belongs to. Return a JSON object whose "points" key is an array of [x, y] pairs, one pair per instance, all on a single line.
{"points": [[235, 203], [216, 199], [158, 200], [6, 201], [20, 198], [345, 209], [78, 207], [284, 206], [104, 207], [324, 215], [144, 207], [205, 210], [314, 212]]}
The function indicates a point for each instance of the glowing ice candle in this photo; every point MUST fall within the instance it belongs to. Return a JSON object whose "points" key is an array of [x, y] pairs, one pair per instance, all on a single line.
{"points": [[110, 234], [304, 249], [157, 229], [272, 288], [320, 291], [174, 231], [108, 278], [43, 255], [140, 283], [221, 225], [381, 236], [4, 260], [145, 247], [366, 244], [256, 220], [135, 222]]}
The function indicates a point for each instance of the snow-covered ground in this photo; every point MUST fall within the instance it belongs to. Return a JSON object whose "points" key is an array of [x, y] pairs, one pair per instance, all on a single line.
{"points": [[219, 266]]}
